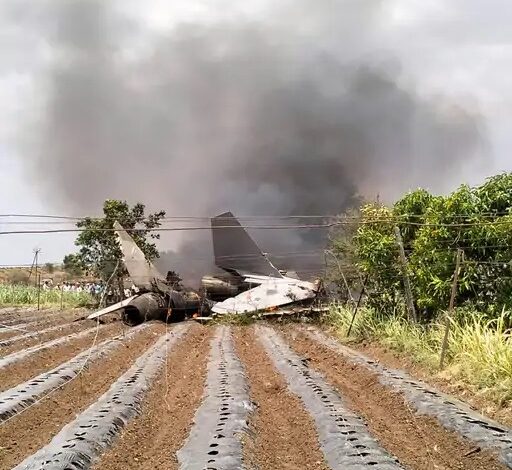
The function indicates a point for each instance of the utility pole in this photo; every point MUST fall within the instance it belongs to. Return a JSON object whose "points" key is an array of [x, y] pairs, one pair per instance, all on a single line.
{"points": [[357, 305], [35, 263], [37, 276], [444, 347], [39, 292], [407, 284]]}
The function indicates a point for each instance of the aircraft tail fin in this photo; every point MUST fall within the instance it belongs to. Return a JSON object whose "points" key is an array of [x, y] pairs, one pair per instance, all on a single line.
{"points": [[235, 250], [142, 272]]}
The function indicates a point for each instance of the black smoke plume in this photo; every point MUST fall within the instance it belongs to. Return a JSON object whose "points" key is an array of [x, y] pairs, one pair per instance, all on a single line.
{"points": [[296, 112]]}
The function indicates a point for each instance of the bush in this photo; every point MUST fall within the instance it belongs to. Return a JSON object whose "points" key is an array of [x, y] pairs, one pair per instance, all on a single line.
{"points": [[479, 353], [17, 276], [477, 221]]}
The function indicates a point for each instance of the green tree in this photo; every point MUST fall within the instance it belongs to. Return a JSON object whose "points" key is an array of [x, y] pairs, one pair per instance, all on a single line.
{"points": [[377, 257], [49, 268], [341, 257], [72, 264], [477, 220], [99, 250]]}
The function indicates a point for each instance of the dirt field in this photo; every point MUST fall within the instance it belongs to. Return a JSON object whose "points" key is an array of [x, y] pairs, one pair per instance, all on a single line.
{"points": [[188, 396]]}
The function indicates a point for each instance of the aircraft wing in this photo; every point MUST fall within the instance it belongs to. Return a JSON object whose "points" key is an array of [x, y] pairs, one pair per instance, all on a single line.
{"points": [[270, 293], [257, 279], [142, 272], [111, 308]]}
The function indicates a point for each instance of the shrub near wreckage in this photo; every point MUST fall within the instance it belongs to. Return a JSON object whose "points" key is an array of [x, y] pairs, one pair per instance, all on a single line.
{"points": [[476, 220]]}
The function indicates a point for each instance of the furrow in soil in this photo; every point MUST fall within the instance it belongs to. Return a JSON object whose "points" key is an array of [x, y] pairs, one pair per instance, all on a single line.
{"points": [[82, 441], [344, 437]]}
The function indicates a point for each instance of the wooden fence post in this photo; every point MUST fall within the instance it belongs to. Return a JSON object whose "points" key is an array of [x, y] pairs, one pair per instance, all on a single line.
{"points": [[450, 308], [38, 277], [407, 284], [349, 293], [357, 305]]}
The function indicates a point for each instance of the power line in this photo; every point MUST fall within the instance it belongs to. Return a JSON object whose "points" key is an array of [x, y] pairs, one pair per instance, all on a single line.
{"points": [[170, 229], [259, 227], [178, 217], [274, 254], [489, 214]]}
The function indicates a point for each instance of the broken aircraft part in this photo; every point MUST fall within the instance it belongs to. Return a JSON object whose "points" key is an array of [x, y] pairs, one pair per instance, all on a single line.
{"points": [[219, 288], [157, 300], [251, 283], [145, 307], [270, 293], [260, 284], [235, 251]]}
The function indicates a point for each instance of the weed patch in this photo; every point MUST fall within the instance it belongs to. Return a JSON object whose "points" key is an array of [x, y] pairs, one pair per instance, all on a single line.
{"points": [[479, 352]]}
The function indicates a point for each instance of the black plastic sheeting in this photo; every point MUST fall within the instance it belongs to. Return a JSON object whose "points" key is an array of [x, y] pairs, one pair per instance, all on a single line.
{"points": [[450, 412], [38, 317], [14, 400], [23, 320], [32, 334], [24, 353], [81, 442], [343, 436], [215, 440], [5, 328]]}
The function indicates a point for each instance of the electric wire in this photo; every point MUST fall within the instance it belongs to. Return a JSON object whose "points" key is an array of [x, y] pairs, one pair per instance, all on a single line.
{"points": [[51, 392]]}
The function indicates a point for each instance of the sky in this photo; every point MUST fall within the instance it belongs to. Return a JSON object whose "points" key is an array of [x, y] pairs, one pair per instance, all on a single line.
{"points": [[460, 49]]}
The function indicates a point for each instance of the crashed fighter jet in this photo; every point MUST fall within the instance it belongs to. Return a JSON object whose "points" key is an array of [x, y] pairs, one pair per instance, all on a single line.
{"points": [[157, 299], [251, 283], [258, 284]]}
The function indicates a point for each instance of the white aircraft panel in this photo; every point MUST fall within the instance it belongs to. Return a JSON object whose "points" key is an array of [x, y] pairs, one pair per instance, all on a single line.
{"points": [[272, 292]]}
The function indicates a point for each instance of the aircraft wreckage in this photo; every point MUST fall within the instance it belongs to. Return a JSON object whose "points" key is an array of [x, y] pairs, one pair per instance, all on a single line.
{"points": [[251, 282]]}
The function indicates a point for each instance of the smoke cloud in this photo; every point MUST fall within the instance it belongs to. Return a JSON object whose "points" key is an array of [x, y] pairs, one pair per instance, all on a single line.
{"points": [[295, 112]]}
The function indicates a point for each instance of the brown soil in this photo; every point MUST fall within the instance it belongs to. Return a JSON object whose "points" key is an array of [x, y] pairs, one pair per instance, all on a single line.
{"points": [[448, 385], [284, 433], [44, 322], [419, 442], [41, 315], [49, 358], [66, 329], [34, 428], [14, 330], [151, 441], [20, 314], [7, 333]]}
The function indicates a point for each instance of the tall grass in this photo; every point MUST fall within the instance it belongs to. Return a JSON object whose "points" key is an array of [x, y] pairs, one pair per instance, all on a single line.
{"points": [[479, 354], [20, 295]]}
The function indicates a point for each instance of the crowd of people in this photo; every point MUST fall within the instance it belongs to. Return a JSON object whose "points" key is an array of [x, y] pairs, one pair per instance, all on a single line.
{"points": [[93, 288], [96, 289]]}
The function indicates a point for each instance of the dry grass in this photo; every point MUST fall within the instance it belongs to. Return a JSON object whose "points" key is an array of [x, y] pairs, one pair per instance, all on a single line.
{"points": [[479, 354]]}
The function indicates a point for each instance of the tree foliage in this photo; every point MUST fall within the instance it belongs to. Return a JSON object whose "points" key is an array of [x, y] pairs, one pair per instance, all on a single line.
{"points": [[341, 257], [99, 250], [50, 268], [72, 264], [477, 220]]}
